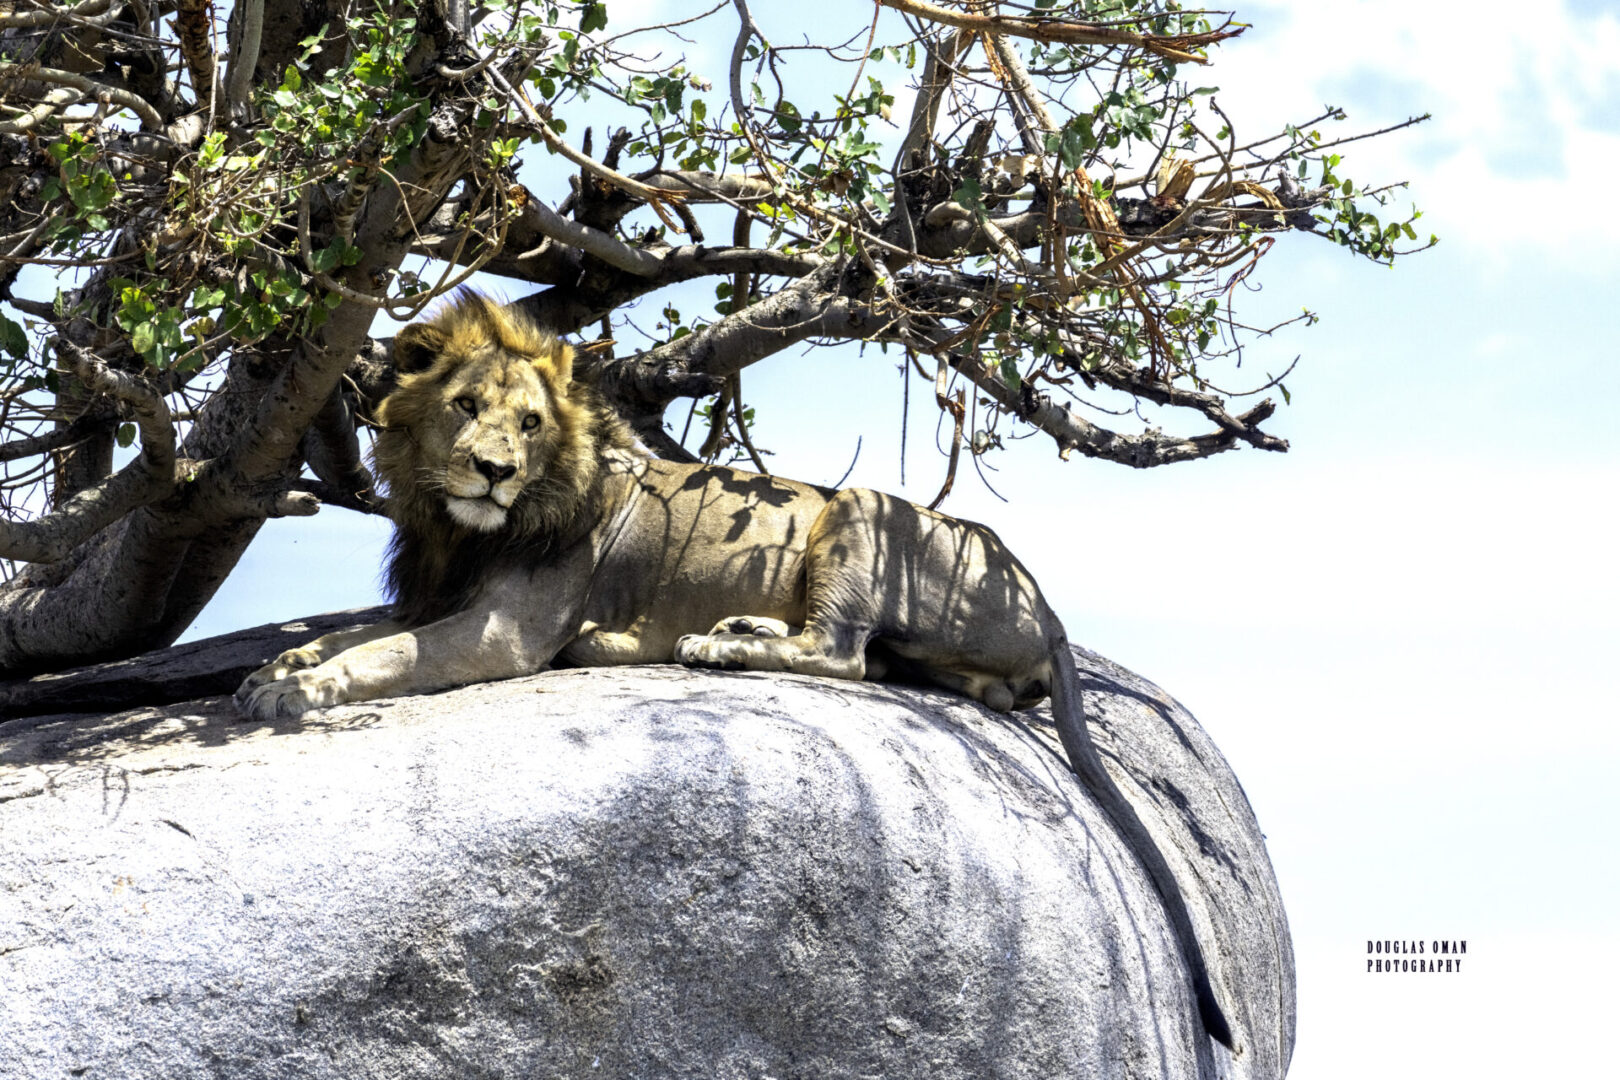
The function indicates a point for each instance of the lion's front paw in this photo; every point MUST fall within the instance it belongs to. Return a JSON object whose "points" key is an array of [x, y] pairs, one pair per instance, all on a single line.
{"points": [[288, 697], [280, 668]]}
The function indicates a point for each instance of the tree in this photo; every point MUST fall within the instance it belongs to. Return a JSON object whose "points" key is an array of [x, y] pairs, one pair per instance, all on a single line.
{"points": [[201, 219]]}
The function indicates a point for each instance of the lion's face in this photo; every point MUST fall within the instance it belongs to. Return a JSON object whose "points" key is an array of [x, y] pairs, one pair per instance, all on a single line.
{"points": [[492, 415], [478, 417]]}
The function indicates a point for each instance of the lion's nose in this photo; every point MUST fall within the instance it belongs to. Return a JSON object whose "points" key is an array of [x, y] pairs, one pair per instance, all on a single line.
{"points": [[493, 471]]}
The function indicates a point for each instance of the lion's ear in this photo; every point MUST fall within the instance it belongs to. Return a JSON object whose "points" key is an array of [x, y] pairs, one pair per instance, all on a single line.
{"points": [[416, 347], [561, 361]]}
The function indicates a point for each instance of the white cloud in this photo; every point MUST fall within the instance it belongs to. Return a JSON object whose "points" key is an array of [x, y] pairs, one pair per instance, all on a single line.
{"points": [[1526, 113]]}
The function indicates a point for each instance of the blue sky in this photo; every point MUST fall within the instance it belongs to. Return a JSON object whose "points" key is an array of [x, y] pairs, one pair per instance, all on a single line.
{"points": [[1402, 632]]}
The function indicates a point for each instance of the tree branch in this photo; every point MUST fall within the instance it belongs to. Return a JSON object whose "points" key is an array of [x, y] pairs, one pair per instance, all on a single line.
{"points": [[145, 480], [332, 450], [696, 185], [610, 249], [810, 307], [865, 321], [151, 120], [584, 298], [81, 428], [1073, 432], [193, 28], [239, 81], [55, 16], [1172, 46]]}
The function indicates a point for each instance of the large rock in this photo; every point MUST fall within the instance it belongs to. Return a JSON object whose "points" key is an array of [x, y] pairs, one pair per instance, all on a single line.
{"points": [[633, 872]]}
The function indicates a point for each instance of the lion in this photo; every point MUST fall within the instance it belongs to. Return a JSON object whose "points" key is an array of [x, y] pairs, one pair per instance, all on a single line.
{"points": [[530, 529]]}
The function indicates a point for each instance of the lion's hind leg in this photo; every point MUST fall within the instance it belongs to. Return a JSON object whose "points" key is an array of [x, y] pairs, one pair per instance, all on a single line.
{"points": [[810, 651], [841, 608]]}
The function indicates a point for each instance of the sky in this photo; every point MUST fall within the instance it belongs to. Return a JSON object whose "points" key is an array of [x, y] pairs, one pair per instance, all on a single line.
{"points": [[1401, 632]]}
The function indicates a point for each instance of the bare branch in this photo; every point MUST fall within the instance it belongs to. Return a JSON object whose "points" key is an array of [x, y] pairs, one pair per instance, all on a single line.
{"points": [[808, 308], [604, 246], [332, 449], [577, 300], [1067, 428], [87, 87], [1172, 47], [1073, 432], [82, 428], [698, 186], [26, 20], [47, 107], [938, 70], [239, 82]]}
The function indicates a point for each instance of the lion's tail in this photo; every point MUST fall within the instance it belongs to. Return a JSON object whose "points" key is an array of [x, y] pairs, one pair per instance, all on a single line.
{"points": [[1068, 711]]}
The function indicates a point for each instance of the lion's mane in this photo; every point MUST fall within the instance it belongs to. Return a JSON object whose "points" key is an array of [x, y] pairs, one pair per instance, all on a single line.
{"points": [[436, 566]]}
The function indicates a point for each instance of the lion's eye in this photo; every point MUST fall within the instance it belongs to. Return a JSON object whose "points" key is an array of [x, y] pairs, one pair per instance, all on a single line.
{"points": [[531, 422], [467, 405]]}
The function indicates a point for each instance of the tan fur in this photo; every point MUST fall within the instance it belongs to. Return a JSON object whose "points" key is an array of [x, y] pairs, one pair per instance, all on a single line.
{"points": [[602, 555]]}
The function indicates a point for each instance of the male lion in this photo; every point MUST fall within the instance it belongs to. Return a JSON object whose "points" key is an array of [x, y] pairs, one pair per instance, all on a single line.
{"points": [[531, 529]]}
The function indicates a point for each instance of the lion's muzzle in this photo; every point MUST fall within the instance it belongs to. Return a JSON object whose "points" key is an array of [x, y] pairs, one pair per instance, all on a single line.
{"points": [[483, 482], [494, 470]]}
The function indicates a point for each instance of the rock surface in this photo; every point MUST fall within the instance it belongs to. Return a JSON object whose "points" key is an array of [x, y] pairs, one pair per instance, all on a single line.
{"points": [[632, 872]]}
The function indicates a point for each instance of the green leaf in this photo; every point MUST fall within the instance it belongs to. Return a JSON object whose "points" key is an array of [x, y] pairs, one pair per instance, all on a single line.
{"points": [[1009, 373], [312, 44], [126, 435], [13, 339], [1076, 140], [970, 195], [95, 193]]}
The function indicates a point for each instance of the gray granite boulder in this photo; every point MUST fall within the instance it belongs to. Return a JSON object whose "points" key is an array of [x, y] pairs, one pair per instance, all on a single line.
{"points": [[634, 872]]}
